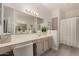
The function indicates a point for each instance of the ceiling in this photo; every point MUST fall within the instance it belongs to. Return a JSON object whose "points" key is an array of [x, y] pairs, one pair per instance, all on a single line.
{"points": [[53, 6], [49, 6], [61, 6], [45, 9]]}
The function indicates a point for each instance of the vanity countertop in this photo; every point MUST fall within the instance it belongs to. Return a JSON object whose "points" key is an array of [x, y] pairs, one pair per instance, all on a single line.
{"points": [[16, 39]]}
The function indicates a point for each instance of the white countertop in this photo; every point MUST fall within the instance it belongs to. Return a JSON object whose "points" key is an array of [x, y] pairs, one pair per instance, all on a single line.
{"points": [[16, 39]]}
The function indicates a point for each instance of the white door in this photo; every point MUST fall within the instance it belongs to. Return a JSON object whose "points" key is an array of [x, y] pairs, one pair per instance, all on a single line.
{"points": [[63, 32], [68, 31]]}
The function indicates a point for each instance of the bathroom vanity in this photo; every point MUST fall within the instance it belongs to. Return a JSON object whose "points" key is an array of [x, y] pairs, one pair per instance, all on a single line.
{"points": [[25, 40], [34, 44]]}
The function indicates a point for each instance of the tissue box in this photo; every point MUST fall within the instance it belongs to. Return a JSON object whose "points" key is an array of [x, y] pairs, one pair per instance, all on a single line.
{"points": [[5, 38]]}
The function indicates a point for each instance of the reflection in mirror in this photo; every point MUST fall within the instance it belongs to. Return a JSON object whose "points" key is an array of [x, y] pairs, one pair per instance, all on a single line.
{"points": [[39, 22], [18, 22], [24, 23], [8, 20], [21, 28]]}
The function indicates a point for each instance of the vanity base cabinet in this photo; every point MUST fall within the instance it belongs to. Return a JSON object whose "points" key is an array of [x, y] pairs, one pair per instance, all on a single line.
{"points": [[46, 44], [23, 50], [8, 53], [42, 46], [5, 51], [50, 42], [39, 48]]}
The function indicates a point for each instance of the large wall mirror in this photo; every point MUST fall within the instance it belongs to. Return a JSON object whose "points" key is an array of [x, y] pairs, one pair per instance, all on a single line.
{"points": [[24, 23], [27, 24], [8, 20], [39, 22], [17, 22]]}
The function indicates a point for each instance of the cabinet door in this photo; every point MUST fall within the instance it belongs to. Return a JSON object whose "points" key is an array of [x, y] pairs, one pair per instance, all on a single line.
{"points": [[39, 48], [73, 32], [50, 42], [46, 45], [63, 31], [77, 32], [43, 45]]}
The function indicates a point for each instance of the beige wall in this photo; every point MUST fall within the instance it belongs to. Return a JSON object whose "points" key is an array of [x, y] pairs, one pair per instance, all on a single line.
{"points": [[65, 14], [72, 13]]}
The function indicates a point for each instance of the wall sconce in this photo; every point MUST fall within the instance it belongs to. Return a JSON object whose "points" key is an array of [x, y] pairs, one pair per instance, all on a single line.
{"points": [[30, 12]]}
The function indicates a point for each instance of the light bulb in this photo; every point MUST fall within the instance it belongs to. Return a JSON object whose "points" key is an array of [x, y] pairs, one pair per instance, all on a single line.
{"points": [[28, 9], [31, 12]]}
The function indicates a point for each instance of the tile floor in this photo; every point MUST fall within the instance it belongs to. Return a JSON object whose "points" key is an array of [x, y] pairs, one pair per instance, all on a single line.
{"points": [[63, 51]]}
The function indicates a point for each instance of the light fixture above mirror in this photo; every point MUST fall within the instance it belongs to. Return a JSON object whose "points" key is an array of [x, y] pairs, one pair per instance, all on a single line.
{"points": [[31, 12]]}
